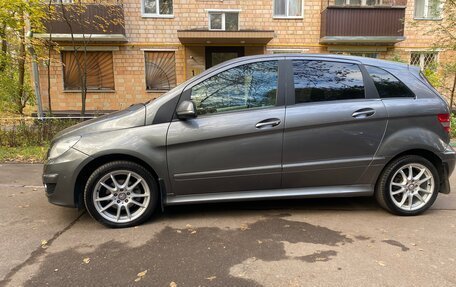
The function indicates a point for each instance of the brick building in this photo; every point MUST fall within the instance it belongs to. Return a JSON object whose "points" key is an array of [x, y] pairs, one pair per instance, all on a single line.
{"points": [[164, 42]]}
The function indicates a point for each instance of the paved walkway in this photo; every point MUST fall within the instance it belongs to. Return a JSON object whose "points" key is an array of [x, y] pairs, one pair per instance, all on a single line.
{"points": [[337, 242]]}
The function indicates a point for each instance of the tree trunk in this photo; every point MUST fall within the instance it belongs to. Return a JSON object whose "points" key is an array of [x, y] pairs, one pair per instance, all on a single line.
{"points": [[4, 47], [452, 93], [21, 101]]}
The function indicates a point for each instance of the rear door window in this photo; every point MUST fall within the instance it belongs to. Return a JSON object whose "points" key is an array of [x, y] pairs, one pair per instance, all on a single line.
{"points": [[317, 81], [388, 86]]}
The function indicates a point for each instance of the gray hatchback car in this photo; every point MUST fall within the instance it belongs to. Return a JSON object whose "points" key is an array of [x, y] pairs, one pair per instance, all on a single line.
{"points": [[262, 127]]}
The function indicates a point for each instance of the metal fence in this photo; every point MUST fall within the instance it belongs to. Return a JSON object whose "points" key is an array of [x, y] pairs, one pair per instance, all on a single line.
{"points": [[31, 131]]}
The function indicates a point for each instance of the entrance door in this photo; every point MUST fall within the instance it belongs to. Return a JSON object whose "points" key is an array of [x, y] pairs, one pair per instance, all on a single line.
{"points": [[217, 55]]}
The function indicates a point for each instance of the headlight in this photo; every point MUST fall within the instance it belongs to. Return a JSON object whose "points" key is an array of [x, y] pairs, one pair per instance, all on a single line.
{"points": [[62, 146]]}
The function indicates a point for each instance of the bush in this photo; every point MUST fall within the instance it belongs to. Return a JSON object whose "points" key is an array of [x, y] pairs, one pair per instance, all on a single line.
{"points": [[22, 133], [453, 126]]}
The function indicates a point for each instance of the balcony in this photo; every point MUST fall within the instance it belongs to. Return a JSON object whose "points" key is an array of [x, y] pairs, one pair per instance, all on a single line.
{"points": [[85, 22], [375, 24]]}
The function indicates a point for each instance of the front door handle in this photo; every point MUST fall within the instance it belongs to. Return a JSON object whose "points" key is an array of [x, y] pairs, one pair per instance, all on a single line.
{"points": [[268, 122], [363, 113]]}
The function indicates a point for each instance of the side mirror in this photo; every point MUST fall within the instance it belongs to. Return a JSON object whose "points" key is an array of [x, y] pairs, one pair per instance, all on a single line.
{"points": [[186, 110]]}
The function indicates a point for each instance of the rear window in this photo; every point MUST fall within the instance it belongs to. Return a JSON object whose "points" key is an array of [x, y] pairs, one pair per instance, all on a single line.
{"points": [[388, 86], [317, 81]]}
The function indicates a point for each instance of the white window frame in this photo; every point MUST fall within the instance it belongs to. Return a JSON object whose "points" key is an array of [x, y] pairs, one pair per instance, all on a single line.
{"points": [[218, 11], [157, 11], [423, 56], [62, 1], [364, 3], [286, 9], [287, 51], [426, 12]]}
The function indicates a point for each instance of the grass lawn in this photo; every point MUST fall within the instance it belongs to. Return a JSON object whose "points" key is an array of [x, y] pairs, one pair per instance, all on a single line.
{"points": [[27, 154]]}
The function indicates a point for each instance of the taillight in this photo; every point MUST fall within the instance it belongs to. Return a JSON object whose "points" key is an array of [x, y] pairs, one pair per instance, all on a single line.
{"points": [[444, 119]]}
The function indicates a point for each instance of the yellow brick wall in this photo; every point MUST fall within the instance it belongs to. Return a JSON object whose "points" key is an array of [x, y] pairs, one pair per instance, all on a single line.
{"points": [[161, 33]]}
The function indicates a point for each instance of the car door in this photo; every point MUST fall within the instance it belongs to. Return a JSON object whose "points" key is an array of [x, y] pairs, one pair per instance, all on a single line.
{"points": [[235, 142], [334, 124]]}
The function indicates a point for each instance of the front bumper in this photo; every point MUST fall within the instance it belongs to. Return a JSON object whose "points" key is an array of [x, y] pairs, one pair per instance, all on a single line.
{"points": [[59, 177]]}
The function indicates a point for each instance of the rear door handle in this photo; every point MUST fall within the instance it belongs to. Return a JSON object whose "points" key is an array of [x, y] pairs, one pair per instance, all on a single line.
{"points": [[363, 113], [268, 122]]}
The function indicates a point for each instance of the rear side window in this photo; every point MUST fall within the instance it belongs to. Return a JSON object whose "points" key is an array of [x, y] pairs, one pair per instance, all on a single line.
{"points": [[317, 81], [388, 86]]}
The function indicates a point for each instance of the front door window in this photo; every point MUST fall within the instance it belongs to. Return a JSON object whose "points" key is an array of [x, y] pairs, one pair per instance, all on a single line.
{"points": [[244, 87]]}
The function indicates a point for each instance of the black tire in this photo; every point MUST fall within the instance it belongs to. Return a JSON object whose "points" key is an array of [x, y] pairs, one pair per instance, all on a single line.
{"points": [[382, 191], [114, 166]]}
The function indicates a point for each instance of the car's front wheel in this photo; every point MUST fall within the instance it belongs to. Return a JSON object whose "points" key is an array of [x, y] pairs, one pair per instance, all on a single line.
{"points": [[121, 194], [408, 185]]}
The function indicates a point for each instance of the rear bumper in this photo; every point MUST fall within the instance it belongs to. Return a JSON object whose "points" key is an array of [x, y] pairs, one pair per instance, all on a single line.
{"points": [[59, 177], [449, 161]]}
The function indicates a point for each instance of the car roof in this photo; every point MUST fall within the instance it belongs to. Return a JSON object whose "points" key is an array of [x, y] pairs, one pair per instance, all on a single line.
{"points": [[362, 60]]}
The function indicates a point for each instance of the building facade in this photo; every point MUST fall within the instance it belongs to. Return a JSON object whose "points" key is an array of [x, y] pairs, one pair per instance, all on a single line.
{"points": [[143, 48]]}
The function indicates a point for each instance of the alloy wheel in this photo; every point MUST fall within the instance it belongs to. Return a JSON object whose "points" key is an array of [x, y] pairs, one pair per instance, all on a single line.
{"points": [[121, 196], [412, 186]]}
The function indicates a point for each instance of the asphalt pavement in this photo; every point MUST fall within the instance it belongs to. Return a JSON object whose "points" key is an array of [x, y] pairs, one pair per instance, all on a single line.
{"points": [[311, 242]]}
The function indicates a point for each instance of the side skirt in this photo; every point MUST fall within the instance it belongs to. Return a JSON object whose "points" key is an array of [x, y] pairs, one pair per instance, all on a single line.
{"points": [[307, 192]]}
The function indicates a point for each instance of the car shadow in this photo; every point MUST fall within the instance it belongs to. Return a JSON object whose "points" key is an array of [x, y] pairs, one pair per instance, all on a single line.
{"points": [[267, 206]]}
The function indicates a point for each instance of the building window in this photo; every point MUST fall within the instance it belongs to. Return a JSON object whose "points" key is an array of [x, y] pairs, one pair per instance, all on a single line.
{"points": [[361, 54], [287, 51], [97, 66], [316, 81], [428, 9], [157, 8], [288, 8], [160, 70], [224, 21], [250, 86], [426, 60], [359, 2], [358, 54], [62, 1]]}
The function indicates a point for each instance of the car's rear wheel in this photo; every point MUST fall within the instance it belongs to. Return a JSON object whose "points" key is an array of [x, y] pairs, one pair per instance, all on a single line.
{"points": [[408, 185], [121, 194]]}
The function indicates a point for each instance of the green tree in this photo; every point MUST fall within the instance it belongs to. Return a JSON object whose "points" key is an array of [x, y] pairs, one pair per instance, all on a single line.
{"points": [[445, 33], [16, 18]]}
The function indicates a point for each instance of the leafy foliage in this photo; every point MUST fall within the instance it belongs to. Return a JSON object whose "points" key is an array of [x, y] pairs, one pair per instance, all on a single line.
{"points": [[15, 18]]}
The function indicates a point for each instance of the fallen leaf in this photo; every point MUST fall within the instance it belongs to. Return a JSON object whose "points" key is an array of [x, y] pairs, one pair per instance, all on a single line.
{"points": [[172, 284], [55, 270], [188, 226], [86, 260], [259, 241], [193, 232], [137, 279], [244, 227], [381, 263], [44, 244], [211, 278], [178, 231], [142, 274]]}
